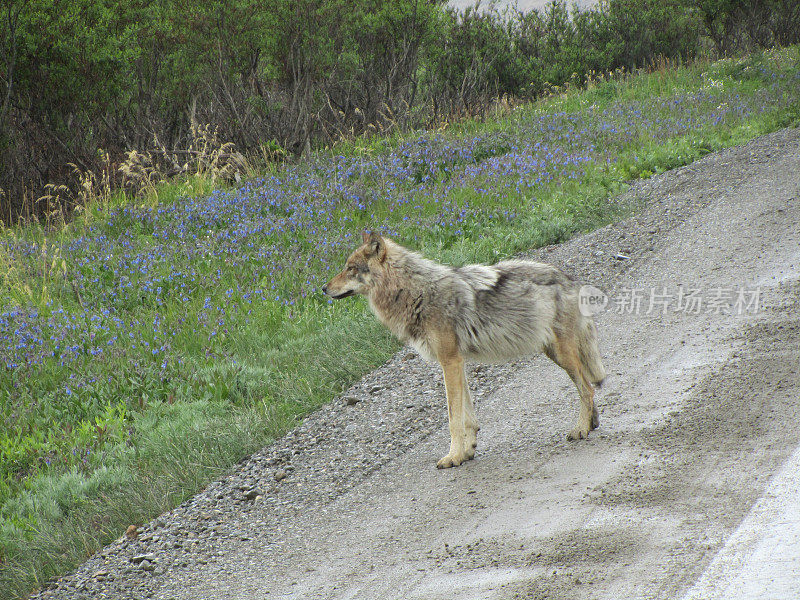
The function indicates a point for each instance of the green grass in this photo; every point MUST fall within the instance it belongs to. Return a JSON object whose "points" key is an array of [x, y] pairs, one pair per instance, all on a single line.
{"points": [[221, 342]]}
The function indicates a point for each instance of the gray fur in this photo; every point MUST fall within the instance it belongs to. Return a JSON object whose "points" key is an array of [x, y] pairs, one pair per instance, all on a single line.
{"points": [[498, 312]]}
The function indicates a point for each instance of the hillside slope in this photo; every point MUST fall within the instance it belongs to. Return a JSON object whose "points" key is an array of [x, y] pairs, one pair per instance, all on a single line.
{"points": [[697, 416]]}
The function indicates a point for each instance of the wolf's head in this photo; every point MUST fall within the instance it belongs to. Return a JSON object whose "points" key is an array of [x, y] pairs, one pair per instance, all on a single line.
{"points": [[358, 274]]}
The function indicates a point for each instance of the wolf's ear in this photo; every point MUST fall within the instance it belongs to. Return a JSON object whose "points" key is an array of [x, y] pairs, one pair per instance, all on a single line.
{"points": [[377, 246], [364, 236]]}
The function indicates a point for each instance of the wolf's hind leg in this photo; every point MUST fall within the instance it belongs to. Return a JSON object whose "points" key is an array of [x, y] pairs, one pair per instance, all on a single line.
{"points": [[565, 354]]}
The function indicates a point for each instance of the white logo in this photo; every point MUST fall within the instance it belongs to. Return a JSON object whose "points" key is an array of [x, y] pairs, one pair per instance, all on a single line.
{"points": [[591, 300]]}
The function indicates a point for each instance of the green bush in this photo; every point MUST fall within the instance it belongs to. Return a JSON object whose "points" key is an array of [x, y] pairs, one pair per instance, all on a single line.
{"points": [[78, 76], [740, 25]]}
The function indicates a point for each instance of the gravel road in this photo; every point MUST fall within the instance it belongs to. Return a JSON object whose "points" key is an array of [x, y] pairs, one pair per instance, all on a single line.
{"points": [[698, 418]]}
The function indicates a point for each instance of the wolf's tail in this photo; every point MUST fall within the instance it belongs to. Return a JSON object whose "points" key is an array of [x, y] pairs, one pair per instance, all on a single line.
{"points": [[589, 353]]}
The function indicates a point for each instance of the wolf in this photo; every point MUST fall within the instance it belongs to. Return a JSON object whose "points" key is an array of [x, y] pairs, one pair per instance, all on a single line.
{"points": [[476, 313]]}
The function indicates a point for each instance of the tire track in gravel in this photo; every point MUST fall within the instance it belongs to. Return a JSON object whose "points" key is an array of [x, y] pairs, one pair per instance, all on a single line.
{"points": [[698, 413]]}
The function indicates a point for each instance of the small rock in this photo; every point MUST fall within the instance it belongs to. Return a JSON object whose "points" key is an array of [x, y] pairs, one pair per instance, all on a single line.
{"points": [[150, 557], [147, 566], [280, 475], [620, 256], [252, 494], [100, 574], [351, 400], [375, 389], [131, 532]]}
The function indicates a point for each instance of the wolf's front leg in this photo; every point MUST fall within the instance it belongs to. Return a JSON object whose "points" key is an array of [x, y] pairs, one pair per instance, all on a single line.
{"points": [[463, 425]]}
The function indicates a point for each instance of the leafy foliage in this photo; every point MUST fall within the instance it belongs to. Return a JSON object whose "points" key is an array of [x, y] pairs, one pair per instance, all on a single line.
{"points": [[79, 76]]}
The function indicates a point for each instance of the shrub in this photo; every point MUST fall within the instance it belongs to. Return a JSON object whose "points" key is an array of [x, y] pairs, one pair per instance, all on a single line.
{"points": [[79, 76]]}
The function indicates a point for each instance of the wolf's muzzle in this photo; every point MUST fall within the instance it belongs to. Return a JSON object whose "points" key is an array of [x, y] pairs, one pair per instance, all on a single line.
{"points": [[337, 296]]}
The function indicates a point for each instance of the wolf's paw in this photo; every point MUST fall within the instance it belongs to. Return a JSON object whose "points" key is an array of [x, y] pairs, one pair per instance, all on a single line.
{"points": [[579, 433], [453, 459]]}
